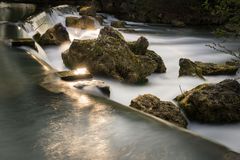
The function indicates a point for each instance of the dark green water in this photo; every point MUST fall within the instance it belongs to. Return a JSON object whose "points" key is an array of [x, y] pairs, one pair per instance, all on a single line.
{"points": [[37, 124]]}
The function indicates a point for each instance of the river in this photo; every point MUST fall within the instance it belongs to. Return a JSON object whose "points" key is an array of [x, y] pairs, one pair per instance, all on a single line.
{"points": [[38, 124]]}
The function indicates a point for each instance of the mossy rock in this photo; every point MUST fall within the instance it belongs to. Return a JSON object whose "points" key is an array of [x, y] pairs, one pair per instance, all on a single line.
{"points": [[140, 47], [87, 11], [189, 68], [54, 36], [118, 24], [165, 110], [85, 22], [109, 55], [212, 103]]}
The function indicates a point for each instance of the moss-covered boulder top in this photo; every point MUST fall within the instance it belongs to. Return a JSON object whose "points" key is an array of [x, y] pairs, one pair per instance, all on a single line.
{"points": [[162, 109], [110, 55], [212, 103]]}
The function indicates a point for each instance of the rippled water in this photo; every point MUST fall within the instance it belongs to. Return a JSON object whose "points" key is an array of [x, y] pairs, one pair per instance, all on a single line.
{"points": [[38, 124]]}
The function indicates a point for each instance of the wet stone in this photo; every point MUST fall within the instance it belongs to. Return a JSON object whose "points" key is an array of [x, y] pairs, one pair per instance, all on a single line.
{"points": [[100, 85]]}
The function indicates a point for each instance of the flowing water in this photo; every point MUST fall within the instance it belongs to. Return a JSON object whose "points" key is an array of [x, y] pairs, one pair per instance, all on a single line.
{"points": [[38, 124]]}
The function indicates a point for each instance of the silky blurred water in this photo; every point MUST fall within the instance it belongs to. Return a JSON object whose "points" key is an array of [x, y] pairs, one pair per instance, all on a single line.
{"points": [[171, 44]]}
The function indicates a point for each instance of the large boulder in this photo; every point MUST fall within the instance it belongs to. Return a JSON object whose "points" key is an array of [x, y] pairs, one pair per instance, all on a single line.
{"points": [[189, 68], [140, 46], [212, 103], [109, 55], [54, 36], [162, 109], [85, 22]]}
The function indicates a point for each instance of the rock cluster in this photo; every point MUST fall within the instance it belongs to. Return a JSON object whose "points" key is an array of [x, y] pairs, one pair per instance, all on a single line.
{"points": [[162, 109], [212, 103], [110, 55]]}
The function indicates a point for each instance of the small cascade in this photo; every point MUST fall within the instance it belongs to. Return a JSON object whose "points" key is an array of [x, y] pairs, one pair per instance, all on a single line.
{"points": [[47, 19]]}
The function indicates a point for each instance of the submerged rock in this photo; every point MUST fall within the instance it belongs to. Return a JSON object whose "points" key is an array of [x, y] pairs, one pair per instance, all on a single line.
{"points": [[54, 36], [212, 103], [111, 56], [189, 68], [85, 22], [87, 11], [118, 24], [162, 109], [140, 46], [100, 85]]}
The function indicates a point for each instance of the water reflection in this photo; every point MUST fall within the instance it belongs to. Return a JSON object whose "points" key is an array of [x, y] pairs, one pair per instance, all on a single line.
{"points": [[78, 132]]}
